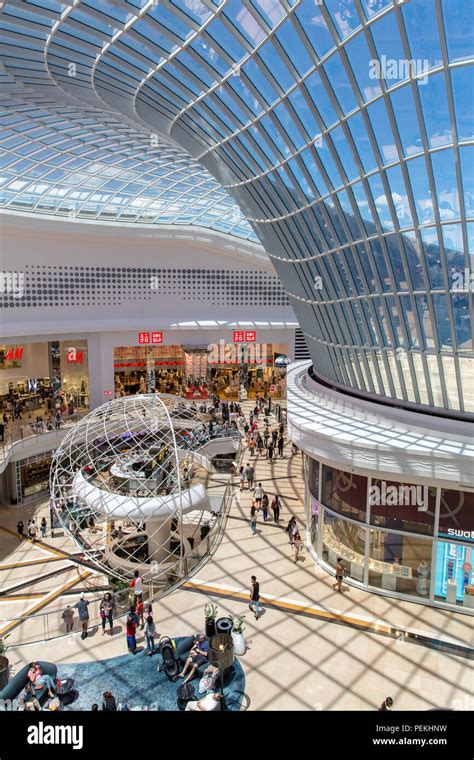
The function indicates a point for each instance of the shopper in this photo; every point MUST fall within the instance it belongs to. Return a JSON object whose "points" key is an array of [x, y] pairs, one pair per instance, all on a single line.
{"points": [[2, 431], [109, 704], [242, 477], [294, 448], [266, 436], [265, 507], [68, 617], [249, 475], [32, 530], [83, 611], [20, 528], [291, 529], [131, 628], [258, 495], [253, 518], [251, 445], [276, 506], [281, 443], [43, 527], [150, 633], [106, 611], [340, 572], [387, 704], [260, 445], [254, 596], [270, 451], [137, 586], [297, 545]]}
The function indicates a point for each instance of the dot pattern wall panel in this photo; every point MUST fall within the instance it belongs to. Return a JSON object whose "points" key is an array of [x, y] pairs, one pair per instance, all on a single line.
{"points": [[45, 286]]}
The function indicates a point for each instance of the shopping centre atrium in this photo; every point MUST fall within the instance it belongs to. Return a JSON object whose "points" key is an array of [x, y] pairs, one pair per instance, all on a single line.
{"points": [[207, 209]]}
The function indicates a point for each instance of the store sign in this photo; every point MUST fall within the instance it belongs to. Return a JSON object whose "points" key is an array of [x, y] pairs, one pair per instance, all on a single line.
{"points": [[245, 336], [14, 353], [74, 356], [145, 338]]}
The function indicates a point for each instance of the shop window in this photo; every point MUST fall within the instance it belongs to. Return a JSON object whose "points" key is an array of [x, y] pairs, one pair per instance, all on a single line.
{"points": [[456, 516], [313, 477], [400, 563], [344, 492], [402, 506], [454, 578], [346, 540]]}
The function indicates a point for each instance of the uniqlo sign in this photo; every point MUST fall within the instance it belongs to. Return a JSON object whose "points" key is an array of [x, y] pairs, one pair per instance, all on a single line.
{"points": [[157, 337], [143, 338], [245, 336]]}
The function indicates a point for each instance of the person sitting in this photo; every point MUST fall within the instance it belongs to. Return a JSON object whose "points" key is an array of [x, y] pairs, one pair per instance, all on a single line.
{"points": [[212, 701], [43, 680], [109, 704], [197, 656], [33, 672], [30, 701]]}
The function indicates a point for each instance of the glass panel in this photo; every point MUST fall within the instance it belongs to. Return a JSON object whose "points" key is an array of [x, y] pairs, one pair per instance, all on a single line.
{"points": [[435, 111], [459, 26], [340, 83], [454, 579], [315, 28], [421, 190], [402, 506], [344, 16], [424, 46], [467, 170], [444, 171], [383, 132], [344, 492], [294, 48], [407, 121], [399, 196], [362, 142], [343, 540], [320, 99], [399, 563]]}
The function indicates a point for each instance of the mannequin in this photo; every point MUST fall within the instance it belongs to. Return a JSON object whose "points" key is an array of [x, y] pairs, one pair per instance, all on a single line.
{"points": [[422, 584]]}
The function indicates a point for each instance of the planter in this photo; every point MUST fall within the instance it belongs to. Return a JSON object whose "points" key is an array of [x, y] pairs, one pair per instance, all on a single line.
{"points": [[210, 627], [4, 671], [239, 643]]}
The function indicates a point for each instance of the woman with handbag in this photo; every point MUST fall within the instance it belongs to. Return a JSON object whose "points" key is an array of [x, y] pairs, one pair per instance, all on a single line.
{"points": [[106, 611]]}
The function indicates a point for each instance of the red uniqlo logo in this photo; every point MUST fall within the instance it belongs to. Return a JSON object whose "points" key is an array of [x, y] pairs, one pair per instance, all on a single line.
{"points": [[157, 337], [143, 337], [238, 336], [250, 336]]}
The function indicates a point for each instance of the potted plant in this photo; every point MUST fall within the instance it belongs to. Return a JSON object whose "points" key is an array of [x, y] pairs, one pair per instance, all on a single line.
{"points": [[120, 590], [4, 664], [237, 634], [210, 615]]}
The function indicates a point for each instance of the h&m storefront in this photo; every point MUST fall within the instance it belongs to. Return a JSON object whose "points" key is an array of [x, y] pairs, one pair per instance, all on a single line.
{"points": [[403, 539]]}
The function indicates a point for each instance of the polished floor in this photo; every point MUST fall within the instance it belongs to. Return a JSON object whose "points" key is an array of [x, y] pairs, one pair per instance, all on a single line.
{"points": [[311, 649]]}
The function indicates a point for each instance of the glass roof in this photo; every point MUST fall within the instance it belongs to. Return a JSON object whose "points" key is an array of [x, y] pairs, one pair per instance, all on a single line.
{"points": [[342, 128]]}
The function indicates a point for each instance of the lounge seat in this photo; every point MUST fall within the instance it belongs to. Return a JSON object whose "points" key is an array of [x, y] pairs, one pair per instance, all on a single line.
{"points": [[16, 685]]}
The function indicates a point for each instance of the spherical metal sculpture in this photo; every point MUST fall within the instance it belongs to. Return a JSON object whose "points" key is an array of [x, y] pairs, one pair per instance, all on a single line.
{"points": [[129, 485]]}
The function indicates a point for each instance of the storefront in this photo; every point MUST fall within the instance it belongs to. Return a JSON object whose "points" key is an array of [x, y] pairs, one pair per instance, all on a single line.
{"points": [[142, 369], [403, 539], [29, 477]]}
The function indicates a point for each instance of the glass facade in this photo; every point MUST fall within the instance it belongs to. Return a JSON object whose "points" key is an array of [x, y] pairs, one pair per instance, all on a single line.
{"points": [[393, 536], [341, 130]]}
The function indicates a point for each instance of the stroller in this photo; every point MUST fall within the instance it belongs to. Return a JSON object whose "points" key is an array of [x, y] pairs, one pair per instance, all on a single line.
{"points": [[170, 663]]}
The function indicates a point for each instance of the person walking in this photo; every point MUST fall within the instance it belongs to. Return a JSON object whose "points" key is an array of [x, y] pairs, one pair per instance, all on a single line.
{"points": [[270, 451], [43, 527], [249, 475], [265, 507], [82, 608], [276, 506], [106, 611], [253, 518], [20, 528], [137, 586], [266, 436], [150, 633], [281, 443], [260, 445], [291, 529], [131, 628], [254, 596], [340, 572], [258, 495], [274, 436], [68, 617], [252, 445], [242, 477], [32, 530], [387, 704], [297, 545]]}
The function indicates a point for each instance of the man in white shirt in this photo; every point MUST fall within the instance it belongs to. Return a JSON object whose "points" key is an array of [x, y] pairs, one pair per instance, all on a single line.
{"points": [[137, 585], [210, 702]]}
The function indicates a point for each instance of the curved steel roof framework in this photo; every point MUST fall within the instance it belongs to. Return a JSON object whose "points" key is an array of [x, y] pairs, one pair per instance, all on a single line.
{"points": [[342, 128]]}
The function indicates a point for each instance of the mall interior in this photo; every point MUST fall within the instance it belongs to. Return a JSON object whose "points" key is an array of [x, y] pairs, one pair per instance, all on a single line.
{"points": [[236, 236]]}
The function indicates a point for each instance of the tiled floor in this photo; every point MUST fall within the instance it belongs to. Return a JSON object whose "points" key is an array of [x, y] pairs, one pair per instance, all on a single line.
{"points": [[293, 661]]}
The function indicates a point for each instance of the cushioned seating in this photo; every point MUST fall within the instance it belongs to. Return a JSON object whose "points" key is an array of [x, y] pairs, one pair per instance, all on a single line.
{"points": [[182, 652], [16, 685]]}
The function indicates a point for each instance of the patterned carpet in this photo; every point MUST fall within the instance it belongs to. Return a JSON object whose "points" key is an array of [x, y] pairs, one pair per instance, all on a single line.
{"points": [[135, 680]]}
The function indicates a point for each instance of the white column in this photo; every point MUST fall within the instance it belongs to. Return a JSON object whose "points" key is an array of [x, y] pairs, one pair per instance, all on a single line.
{"points": [[101, 367]]}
